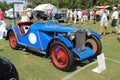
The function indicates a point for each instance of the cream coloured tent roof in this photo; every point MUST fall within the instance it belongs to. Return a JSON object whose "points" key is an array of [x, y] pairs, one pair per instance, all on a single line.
{"points": [[44, 7], [102, 6], [11, 9]]}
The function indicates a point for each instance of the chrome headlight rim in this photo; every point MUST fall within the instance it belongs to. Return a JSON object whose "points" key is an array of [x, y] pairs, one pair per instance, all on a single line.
{"points": [[71, 35], [88, 31]]}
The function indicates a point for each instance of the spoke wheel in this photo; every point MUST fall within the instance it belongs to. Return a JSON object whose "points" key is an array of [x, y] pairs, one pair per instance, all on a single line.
{"points": [[13, 40], [61, 56], [94, 44]]}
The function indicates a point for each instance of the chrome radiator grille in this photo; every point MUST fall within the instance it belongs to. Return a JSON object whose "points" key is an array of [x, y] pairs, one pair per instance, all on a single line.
{"points": [[80, 40]]}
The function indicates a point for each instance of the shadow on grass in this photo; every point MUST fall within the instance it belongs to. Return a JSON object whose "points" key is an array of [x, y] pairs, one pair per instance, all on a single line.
{"points": [[1, 50], [36, 53], [81, 63], [85, 62], [73, 67], [118, 39]]}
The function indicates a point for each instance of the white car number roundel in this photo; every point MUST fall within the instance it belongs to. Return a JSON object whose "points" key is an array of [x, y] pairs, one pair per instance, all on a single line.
{"points": [[32, 38]]}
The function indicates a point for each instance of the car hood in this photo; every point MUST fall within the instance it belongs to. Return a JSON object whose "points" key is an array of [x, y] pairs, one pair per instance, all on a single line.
{"points": [[52, 26]]}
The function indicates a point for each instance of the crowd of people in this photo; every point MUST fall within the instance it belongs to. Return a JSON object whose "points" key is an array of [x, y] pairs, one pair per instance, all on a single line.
{"points": [[103, 15], [81, 16], [77, 16]]}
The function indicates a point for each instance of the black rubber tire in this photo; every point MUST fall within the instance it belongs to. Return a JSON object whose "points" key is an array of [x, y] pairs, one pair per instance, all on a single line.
{"points": [[56, 56], [95, 45], [13, 40]]}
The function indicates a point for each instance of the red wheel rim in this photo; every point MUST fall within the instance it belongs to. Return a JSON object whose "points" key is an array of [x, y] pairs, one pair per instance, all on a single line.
{"points": [[59, 56], [12, 39], [93, 45]]}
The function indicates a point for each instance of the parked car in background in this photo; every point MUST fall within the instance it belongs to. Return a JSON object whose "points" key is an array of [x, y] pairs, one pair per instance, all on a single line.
{"points": [[60, 17], [63, 44], [41, 15], [7, 70]]}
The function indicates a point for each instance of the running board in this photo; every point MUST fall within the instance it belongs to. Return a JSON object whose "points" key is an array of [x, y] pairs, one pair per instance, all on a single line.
{"points": [[35, 50]]}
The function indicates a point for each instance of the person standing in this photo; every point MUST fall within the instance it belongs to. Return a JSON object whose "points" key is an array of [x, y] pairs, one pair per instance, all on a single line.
{"points": [[68, 14], [2, 25], [17, 15], [103, 20], [35, 15], [92, 16], [97, 15], [114, 19], [53, 14], [1, 15], [80, 15], [50, 14], [85, 16], [70, 17], [29, 14], [75, 16]]}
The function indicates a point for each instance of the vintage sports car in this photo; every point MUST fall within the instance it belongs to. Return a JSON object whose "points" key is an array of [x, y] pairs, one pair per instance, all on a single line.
{"points": [[7, 70], [63, 44]]}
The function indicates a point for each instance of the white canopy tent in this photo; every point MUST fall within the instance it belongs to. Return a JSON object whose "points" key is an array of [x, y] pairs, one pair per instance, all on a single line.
{"points": [[11, 9], [100, 7], [44, 7], [9, 13]]}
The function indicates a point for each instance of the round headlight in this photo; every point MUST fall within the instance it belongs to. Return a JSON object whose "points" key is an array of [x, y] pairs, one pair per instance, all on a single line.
{"points": [[71, 35], [88, 31]]}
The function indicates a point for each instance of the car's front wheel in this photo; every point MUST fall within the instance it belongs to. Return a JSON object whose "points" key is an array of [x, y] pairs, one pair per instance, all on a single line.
{"points": [[13, 40], [61, 57]]}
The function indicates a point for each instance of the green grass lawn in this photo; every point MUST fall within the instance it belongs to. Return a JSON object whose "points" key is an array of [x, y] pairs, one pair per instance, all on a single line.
{"points": [[33, 66]]}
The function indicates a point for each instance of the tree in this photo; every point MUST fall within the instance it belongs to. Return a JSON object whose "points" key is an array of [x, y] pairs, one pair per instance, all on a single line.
{"points": [[4, 6], [73, 3]]}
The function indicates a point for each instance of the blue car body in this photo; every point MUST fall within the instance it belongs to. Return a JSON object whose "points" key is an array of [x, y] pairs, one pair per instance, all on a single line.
{"points": [[42, 39], [40, 36]]}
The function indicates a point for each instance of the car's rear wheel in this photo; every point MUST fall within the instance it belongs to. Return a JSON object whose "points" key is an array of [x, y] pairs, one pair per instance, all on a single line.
{"points": [[61, 57], [13, 40], [95, 44]]}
